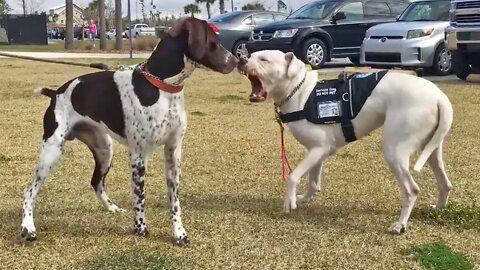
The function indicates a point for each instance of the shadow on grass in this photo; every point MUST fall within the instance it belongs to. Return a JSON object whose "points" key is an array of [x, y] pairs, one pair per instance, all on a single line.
{"points": [[130, 259], [457, 216], [439, 256], [227, 98]]}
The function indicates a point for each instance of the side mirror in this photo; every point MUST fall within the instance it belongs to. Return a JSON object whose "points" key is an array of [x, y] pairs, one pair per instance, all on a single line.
{"points": [[338, 16]]}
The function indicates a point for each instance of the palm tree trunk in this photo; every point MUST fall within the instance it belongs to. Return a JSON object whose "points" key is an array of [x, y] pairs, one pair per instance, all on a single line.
{"points": [[118, 25], [69, 24], [208, 10], [102, 25], [221, 3]]}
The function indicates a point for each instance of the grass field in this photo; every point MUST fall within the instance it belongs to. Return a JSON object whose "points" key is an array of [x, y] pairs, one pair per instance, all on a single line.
{"points": [[231, 192]]}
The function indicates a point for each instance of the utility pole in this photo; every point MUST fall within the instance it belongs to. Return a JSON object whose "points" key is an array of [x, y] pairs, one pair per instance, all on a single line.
{"points": [[24, 8], [129, 29], [232, 4], [103, 25]]}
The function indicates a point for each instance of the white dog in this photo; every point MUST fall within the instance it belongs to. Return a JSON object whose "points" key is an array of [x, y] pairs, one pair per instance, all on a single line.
{"points": [[414, 112]]}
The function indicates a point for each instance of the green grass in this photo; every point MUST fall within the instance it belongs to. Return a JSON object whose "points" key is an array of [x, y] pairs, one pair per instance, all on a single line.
{"points": [[439, 256], [463, 217], [231, 190]]}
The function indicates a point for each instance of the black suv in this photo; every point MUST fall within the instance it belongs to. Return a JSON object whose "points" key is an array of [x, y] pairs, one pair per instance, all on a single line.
{"points": [[325, 29]]}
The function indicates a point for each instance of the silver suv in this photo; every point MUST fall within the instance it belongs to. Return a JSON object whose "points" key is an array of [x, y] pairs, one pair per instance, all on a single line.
{"points": [[463, 37], [416, 39]]}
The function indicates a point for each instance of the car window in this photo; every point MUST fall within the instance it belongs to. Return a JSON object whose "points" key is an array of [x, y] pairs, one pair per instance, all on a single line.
{"points": [[427, 11], [262, 18], [279, 17], [314, 10], [377, 9], [353, 11], [247, 21]]}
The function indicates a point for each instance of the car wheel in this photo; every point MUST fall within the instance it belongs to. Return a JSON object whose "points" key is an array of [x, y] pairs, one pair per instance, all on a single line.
{"points": [[315, 53], [460, 65], [355, 60], [442, 61], [240, 49]]}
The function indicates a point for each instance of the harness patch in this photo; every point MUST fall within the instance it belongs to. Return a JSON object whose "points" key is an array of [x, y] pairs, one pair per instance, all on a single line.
{"points": [[337, 101]]}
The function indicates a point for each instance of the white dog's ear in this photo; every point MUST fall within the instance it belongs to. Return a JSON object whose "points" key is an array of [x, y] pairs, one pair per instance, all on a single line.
{"points": [[292, 66]]}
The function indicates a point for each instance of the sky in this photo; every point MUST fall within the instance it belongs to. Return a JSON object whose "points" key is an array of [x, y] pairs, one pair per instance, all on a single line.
{"points": [[166, 7]]}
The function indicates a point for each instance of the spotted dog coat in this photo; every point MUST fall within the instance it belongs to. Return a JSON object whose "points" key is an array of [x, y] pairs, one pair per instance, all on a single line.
{"points": [[124, 105]]}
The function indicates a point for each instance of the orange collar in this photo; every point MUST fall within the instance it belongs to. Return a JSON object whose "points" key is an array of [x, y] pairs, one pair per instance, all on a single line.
{"points": [[158, 83]]}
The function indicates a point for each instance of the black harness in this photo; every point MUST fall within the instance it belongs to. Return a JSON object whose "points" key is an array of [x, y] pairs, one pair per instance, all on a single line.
{"points": [[337, 101]]}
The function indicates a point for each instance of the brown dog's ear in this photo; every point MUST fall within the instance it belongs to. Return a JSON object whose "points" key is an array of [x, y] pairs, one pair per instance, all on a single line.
{"points": [[196, 32], [292, 66]]}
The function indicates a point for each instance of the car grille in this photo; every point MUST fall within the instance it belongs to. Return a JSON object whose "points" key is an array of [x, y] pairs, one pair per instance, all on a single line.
{"points": [[388, 37], [468, 18], [383, 57], [471, 4], [463, 36], [260, 35]]}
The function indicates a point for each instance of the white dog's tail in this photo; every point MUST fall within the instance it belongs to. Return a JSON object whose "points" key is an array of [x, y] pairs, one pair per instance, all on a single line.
{"points": [[445, 119]]}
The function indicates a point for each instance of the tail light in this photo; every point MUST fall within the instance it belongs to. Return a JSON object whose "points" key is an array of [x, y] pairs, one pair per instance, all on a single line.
{"points": [[214, 28]]}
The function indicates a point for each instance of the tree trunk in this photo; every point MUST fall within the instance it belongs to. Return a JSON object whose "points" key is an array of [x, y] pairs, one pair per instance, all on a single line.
{"points": [[221, 3], [69, 24], [208, 10], [102, 25], [118, 25]]}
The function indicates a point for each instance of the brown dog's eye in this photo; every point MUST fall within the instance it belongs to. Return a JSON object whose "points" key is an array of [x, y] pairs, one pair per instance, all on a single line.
{"points": [[212, 46]]}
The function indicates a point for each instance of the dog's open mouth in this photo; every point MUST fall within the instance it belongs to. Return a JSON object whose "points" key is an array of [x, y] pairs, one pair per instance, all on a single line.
{"points": [[258, 92]]}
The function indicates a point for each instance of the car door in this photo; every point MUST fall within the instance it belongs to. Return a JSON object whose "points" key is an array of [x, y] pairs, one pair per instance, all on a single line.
{"points": [[347, 34]]}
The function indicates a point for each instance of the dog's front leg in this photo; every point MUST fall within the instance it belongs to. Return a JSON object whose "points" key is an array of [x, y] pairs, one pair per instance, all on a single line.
{"points": [[314, 183], [173, 157], [139, 164], [314, 157]]}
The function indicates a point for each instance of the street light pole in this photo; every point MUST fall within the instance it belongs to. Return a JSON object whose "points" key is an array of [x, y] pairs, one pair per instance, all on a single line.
{"points": [[129, 29], [231, 1]]}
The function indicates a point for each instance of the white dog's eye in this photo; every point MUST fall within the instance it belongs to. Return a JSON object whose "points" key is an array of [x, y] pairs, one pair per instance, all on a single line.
{"points": [[263, 59]]}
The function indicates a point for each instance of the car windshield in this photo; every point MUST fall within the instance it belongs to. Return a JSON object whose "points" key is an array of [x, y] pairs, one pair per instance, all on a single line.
{"points": [[315, 10], [426, 11], [224, 17]]}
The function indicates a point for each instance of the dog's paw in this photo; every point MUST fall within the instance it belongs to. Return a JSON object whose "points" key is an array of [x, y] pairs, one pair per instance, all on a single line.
{"points": [[397, 228], [28, 235], [434, 208], [115, 209], [303, 198], [183, 241], [143, 232], [289, 205]]}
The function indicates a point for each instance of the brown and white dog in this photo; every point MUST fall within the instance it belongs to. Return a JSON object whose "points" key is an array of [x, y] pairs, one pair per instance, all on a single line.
{"points": [[141, 108], [414, 112]]}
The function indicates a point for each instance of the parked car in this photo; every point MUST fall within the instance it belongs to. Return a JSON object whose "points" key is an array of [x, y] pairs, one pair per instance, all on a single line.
{"points": [[463, 37], [325, 29], [140, 29], [416, 39], [111, 34], [234, 28]]}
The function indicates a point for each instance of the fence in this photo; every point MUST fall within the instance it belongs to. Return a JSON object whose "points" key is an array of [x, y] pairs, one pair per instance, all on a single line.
{"points": [[23, 30]]}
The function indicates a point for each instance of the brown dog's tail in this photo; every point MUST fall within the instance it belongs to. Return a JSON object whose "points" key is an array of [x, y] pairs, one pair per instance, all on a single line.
{"points": [[46, 92]]}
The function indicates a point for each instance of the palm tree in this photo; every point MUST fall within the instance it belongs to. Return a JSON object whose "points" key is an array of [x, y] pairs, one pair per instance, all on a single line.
{"points": [[208, 3], [69, 24], [191, 9], [221, 3], [102, 25], [118, 25]]}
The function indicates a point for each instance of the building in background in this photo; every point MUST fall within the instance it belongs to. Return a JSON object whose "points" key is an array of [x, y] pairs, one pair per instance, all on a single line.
{"points": [[57, 16]]}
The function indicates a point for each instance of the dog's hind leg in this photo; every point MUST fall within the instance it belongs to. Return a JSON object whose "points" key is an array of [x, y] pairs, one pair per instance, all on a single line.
{"points": [[443, 183], [55, 131], [314, 157], [101, 146], [314, 183], [397, 154], [173, 157]]}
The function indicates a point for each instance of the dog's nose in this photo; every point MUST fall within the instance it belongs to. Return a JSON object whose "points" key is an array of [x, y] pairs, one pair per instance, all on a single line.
{"points": [[242, 63]]}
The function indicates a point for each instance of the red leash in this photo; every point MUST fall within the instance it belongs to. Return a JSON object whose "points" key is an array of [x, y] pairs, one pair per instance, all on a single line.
{"points": [[283, 148]]}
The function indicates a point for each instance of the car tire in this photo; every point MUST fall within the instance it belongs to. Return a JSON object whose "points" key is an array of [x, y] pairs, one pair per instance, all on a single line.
{"points": [[460, 65], [355, 60], [314, 53], [442, 61], [240, 45]]}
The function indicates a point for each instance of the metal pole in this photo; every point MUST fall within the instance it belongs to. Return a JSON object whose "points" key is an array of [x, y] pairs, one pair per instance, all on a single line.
{"points": [[129, 30], [232, 4]]}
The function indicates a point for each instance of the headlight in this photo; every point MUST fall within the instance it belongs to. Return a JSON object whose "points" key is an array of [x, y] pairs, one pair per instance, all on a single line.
{"points": [[453, 5], [418, 33], [285, 33]]}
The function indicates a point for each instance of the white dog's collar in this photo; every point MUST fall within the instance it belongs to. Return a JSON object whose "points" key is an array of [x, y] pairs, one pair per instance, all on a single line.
{"points": [[292, 93]]}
